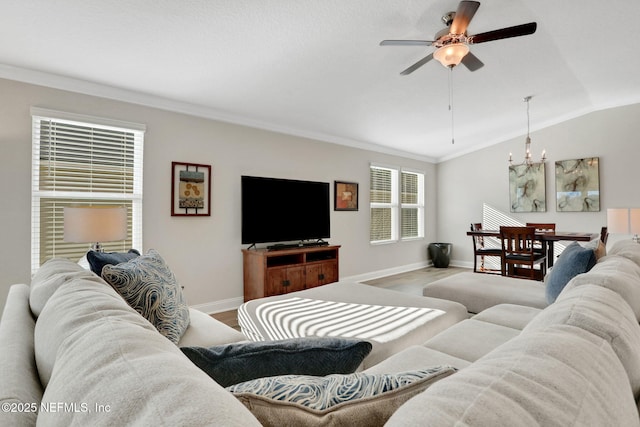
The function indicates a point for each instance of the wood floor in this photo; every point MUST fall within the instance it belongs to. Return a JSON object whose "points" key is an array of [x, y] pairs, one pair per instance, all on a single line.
{"points": [[410, 282]]}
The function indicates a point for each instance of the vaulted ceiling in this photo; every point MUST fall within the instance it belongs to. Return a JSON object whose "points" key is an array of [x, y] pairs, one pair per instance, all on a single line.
{"points": [[315, 68]]}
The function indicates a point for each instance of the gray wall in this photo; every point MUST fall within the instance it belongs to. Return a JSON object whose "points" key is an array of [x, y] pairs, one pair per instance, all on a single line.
{"points": [[204, 253], [611, 135]]}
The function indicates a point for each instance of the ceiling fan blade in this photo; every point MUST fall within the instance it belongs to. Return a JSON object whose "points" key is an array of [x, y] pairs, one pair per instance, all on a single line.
{"points": [[504, 33], [472, 62], [417, 65], [466, 10], [406, 43]]}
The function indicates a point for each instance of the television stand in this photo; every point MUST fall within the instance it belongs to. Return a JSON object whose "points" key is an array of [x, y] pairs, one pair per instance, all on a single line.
{"points": [[275, 272]]}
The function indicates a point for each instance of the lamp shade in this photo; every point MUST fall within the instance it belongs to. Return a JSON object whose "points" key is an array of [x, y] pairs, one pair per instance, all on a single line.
{"points": [[634, 221], [618, 220], [451, 54], [91, 224]]}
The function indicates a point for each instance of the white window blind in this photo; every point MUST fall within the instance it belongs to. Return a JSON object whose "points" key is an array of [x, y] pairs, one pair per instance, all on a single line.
{"points": [[82, 160], [397, 204], [384, 204], [412, 205]]}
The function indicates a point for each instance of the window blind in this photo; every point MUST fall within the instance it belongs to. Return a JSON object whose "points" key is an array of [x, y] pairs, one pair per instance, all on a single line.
{"points": [[384, 202], [412, 205], [82, 160]]}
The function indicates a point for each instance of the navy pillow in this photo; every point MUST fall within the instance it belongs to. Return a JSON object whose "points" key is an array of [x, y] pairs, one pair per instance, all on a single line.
{"points": [[239, 362], [572, 261], [97, 260]]}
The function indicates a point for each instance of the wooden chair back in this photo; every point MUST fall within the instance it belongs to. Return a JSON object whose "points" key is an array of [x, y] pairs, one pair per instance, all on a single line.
{"points": [[518, 250], [479, 250]]}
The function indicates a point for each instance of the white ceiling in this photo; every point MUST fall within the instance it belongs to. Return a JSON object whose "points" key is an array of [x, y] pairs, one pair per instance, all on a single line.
{"points": [[315, 68]]}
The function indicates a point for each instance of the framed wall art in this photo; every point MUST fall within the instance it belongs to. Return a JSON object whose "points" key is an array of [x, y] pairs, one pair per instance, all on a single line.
{"points": [[190, 189], [578, 185], [345, 196], [527, 188]]}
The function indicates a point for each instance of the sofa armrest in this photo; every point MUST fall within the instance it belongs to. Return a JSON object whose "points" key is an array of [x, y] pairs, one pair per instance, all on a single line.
{"points": [[19, 382], [205, 331]]}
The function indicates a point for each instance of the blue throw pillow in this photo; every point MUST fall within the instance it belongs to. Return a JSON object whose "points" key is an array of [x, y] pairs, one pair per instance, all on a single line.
{"points": [[97, 260], [239, 362], [572, 261]]}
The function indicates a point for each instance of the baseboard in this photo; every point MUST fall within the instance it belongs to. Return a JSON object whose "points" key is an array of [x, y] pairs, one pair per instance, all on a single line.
{"points": [[220, 306], [386, 272]]}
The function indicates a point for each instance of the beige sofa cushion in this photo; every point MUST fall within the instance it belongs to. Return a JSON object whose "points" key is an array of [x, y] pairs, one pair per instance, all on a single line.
{"points": [[93, 349], [509, 315], [626, 248], [205, 331], [484, 337], [616, 273], [604, 313], [478, 292], [19, 383], [49, 277], [414, 358], [532, 381]]}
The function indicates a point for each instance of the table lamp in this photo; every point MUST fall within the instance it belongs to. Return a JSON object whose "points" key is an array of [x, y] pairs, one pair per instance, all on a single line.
{"points": [[95, 224], [624, 221]]}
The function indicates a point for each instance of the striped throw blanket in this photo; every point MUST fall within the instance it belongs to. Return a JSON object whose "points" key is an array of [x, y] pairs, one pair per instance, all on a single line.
{"points": [[302, 317]]}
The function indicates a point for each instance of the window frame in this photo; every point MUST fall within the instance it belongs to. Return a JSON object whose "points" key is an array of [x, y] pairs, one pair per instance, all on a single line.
{"points": [[396, 204], [419, 205], [57, 198]]}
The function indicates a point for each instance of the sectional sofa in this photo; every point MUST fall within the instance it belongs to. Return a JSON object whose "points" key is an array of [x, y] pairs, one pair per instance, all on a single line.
{"points": [[73, 352]]}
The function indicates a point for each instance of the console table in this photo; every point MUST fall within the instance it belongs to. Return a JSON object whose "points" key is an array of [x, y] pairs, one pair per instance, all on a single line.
{"points": [[276, 272]]}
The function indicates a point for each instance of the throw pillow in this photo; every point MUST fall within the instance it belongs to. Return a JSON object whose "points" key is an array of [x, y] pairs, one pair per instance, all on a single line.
{"points": [[356, 399], [239, 362], [97, 260], [572, 261], [147, 284]]}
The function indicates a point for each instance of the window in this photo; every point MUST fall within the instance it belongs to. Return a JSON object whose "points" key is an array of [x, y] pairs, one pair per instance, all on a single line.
{"points": [[80, 160], [412, 205], [397, 204], [384, 204]]}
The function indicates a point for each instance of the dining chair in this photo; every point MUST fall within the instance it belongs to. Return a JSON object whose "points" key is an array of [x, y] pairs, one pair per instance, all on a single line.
{"points": [[539, 246], [604, 235], [479, 250], [518, 256]]}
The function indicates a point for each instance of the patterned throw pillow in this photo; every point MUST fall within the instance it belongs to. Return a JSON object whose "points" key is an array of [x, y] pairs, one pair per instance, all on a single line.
{"points": [[147, 284], [353, 399]]}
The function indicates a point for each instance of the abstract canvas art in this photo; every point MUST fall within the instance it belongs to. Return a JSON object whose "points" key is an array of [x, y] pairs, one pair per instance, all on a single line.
{"points": [[345, 196], [578, 185], [527, 188]]}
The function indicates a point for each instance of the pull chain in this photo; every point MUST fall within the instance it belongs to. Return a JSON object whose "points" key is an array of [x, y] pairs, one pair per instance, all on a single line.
{"points": [[451, 102]]}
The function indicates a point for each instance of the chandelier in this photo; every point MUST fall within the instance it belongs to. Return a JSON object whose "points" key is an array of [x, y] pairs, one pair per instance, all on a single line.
{"points": [[527, 144]]}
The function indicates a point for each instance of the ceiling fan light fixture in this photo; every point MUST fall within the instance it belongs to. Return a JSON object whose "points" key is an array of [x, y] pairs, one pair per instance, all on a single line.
{"points": [[451, 55]]}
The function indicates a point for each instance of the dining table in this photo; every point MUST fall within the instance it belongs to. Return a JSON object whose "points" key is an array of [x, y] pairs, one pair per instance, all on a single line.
{"points": [[547, 237]]}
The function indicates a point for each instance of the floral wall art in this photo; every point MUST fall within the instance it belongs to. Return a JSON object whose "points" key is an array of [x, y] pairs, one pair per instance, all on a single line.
{"points": [[527, 188], [578, 185]]}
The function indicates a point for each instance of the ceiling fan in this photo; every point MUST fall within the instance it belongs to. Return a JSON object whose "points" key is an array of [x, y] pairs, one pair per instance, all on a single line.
{"points": [[452, 43]]}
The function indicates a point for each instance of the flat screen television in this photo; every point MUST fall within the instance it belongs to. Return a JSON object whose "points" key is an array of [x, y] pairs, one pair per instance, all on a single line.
{"points": [[284, 210]]}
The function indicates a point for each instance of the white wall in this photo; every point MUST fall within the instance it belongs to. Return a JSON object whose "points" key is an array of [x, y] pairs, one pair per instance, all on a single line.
{"points": [[205, 252], [611, 135]]}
